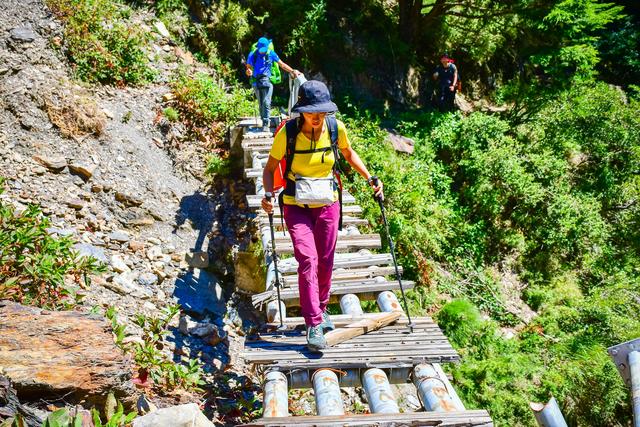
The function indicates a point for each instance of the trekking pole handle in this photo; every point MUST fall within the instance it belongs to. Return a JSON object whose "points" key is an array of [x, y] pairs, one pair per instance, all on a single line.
{"points": [[375, 181]]}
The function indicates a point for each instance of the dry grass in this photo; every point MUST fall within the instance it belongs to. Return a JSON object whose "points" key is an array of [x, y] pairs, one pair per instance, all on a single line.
{"points": [[76, 115]]}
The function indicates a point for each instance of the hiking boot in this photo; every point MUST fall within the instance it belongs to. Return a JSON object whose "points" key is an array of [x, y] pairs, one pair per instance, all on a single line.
{"points": [[326, 322], [315, 338], [266, 129]]}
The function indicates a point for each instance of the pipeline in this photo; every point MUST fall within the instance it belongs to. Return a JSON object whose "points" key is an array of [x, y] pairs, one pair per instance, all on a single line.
{"points": [[548, 415], [276, 399], [350, 304], [379, 394], [327, 391], [433, 391]]}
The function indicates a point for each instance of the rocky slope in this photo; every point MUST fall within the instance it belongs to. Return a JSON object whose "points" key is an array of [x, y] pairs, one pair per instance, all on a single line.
{"points": [[120, 189]]}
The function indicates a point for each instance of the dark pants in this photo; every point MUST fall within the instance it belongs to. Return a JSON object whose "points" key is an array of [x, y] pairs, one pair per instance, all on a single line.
{"points": [[446, 99], [264, 90]]}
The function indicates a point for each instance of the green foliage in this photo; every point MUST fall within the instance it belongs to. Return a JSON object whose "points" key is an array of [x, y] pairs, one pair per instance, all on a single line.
{"points": [[148, 355], [115, 419], [217, 165], [166, 7], [36, 268], [550, 202], [171, 114], [205, 106], [307, 35], [101, 43], [61, 418]]}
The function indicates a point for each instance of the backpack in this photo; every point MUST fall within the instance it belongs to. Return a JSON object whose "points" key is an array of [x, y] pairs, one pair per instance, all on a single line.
{"points": [[280, 176], [276, 76]]}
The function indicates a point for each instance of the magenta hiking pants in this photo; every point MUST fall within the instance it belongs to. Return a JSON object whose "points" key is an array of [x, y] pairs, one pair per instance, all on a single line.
{"points": [[314, 232]]}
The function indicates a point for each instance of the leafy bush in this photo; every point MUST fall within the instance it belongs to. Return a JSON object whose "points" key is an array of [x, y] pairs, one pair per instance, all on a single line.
{"points": [[151, 361], [171, 114], [101, 44], [217, 165], [205, 106], [36, 267]]}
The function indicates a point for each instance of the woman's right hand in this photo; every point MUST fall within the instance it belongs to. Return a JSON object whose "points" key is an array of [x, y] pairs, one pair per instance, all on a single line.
{"points": [[267, 205]]}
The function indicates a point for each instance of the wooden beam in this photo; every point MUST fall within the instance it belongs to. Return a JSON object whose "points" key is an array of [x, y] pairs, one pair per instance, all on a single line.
{"points": [[361, 327]]}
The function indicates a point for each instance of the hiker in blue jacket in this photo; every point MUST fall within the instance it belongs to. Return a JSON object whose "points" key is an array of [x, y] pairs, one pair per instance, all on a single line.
{"points": [[258, 66]]}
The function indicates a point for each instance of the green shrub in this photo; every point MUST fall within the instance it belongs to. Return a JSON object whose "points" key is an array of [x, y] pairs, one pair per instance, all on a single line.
{"points": [[151, 361], [171, 114], [206, 107], [217, 165], [36, 267], [100, 42]]}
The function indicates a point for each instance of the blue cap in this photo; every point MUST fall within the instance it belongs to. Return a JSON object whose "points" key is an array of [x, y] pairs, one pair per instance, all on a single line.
{"points": [[263, 45]]}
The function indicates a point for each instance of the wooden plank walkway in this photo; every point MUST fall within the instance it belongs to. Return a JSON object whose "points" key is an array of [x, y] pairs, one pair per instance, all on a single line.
{"points": [[392, 346], [366, 289], [254, 200], [477, 418], [364, 274], [344, 243]]}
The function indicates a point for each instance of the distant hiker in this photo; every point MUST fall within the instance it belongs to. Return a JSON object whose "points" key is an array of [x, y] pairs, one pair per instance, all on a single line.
{"points": [[260, 67], [311, 198], [447, 76]]}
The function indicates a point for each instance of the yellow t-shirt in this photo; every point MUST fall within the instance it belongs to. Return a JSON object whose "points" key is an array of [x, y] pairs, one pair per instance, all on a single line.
{"points": [[309, 164]]}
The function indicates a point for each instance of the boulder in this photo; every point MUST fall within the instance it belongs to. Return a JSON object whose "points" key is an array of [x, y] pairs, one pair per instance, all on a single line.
{"points": [[199, 291], [23, 34], [188, 415], [88, 250], [82, 169], [400, 143], [53, 163], [56, 354]]}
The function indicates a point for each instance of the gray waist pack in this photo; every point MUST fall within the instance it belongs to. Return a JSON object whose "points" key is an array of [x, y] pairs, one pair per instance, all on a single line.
{"points": [[315, 191]]}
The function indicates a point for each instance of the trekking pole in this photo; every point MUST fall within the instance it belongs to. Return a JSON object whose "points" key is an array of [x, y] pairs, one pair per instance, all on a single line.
{"points": [[275, 265], [393, 252]]}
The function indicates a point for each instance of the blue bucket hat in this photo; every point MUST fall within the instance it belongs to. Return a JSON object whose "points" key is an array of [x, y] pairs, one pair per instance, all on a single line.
{"points": [[314, 97], [263, 45]]}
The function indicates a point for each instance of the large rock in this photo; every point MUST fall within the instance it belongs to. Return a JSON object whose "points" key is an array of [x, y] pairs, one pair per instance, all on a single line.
{"points": [[23, 34], [188, 415], [400, 143], [84, 170], [87, 250], [199, 291], [53, 163], [51, 354]]}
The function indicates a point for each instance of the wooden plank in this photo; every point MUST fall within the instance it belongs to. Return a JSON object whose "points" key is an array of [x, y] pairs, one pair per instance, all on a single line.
{"points": [[394, 344], [344, 260], [346, 220], [345, 243], [361, 327], [254, 200], [366, 290], [344, 319], [346, 209], [471, 418], [340, 276]]}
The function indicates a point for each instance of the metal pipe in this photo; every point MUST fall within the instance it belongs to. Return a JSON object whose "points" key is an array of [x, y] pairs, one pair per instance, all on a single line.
{"points": [[350, 378], [379, 394], [327, 391], [387, 301], [350, 304], [432, 390], [273, 313], [548, 415], [634, 368], [276, 399]]}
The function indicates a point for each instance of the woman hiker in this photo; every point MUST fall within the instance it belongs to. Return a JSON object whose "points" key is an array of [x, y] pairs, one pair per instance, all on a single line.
{"points": [[313, 223]]}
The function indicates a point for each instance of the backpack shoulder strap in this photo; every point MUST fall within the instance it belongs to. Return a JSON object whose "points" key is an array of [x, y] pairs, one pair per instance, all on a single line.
{"points": [[332, 126], [291, 128]]}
